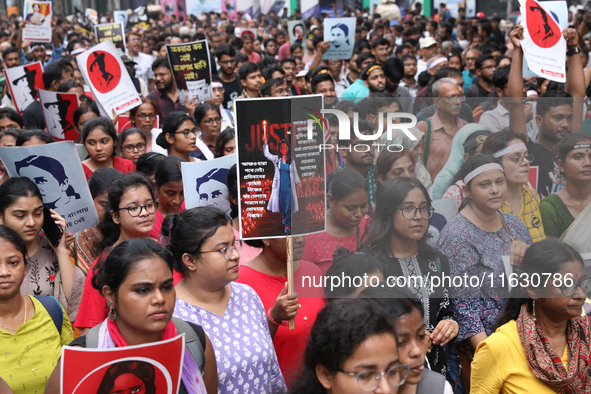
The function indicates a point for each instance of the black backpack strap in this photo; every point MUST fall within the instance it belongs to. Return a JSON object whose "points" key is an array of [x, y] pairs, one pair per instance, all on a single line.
{"points": [[92, 336], [54, 309], [192, 341]]}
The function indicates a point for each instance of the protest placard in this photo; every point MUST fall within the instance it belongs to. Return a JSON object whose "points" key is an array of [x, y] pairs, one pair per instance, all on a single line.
{"points": [[58, 110], [23, 82], [281, 183], [120, 17], [205, 183], [229, 7], [152, 368], [190, 67], [113, 32], [37, 16], [108, 79], [297, 32], [139, 15], [241, 31], [544, 47], [61, 181], [341, 34]]}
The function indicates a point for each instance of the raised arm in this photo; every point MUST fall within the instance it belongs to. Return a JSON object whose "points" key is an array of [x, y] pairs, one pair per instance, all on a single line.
{"points": [[575, 78], [515, 88]]}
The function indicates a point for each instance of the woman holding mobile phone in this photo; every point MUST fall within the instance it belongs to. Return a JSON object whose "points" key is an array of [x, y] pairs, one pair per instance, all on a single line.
{"points": [[50, 270]]}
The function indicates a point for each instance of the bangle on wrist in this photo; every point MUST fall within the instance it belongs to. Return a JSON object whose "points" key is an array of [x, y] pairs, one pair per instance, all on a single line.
{"points": [[282, 323], [573, 51]]}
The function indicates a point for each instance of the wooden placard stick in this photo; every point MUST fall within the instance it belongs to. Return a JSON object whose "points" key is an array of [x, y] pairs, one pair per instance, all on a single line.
{"points": [[289, 275]]}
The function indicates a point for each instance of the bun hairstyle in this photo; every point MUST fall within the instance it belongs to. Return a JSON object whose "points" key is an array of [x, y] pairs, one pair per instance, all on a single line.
{"points": [[189, 230], [170, 124], [113, 270]]}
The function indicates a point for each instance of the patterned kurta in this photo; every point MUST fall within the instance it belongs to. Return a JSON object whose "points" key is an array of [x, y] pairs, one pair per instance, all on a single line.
{"points": [[244, 351]]}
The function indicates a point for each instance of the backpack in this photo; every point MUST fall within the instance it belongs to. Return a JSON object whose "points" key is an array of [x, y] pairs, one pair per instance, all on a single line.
{"points": [[192, 342], [54, 308]]}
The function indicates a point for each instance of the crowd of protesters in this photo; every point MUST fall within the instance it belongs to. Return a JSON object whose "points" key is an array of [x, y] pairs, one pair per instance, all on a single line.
{"points": [[457, 200]]}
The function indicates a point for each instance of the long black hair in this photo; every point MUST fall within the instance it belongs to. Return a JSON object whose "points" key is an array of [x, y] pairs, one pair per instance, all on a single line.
{"points": [[388, 199], [11, 236], [340, 328], [544, 257], [143, 370], [13, 189]]}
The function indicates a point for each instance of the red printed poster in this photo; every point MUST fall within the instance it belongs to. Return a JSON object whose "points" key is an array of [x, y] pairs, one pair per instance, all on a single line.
{"points": [[108, 79], [150, 368], [37, 21], [58, 110], [532, 177], [23, 82], [544, 47]]}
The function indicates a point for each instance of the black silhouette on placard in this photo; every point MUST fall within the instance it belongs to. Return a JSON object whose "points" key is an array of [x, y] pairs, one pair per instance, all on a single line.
{"points": [[99, 61], [62, 107], [548, 32]]}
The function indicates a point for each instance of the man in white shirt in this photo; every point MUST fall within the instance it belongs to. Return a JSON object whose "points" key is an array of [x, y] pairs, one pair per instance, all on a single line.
{"points": [[144, 62]]}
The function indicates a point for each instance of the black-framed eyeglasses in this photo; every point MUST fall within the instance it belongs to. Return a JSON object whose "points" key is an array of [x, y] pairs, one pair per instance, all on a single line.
{"points": [[136, 210], [369, 380], [517, 158], [146, 116], [187, 133], [130, 148], [584, 284], [409, 211], [212, 121], [226, 251]]}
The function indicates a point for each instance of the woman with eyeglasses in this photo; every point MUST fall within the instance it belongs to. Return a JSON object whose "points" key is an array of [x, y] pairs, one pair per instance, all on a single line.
{"points": [[178, 135], [510, 151], [144, 118], [541, 344], [475, 242], [232, 314], [566, 213], [132, 214], [208, 120], [99, 138], [352, 349], [397, 237], [132, 144]]}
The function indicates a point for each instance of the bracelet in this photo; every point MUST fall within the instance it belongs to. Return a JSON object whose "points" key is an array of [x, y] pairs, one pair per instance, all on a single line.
{"points": [[273, 320], [573, 51]]}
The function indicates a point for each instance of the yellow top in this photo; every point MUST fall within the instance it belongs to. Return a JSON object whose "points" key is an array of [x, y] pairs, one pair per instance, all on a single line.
{"points": [[28, 357], [500, 365], [530, 213]]}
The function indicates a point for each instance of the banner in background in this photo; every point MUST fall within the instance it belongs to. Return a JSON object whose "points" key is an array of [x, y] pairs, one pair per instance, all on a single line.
{"points": [[191, 70], [113, 32]]}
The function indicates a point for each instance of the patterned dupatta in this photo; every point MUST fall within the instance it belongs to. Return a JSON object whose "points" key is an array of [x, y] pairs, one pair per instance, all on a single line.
{"points": [[546, 364]]}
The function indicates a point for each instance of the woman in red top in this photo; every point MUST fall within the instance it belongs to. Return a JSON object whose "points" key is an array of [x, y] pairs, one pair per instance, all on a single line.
{"points": [[267, 275], [345, 219], [99, 138], [169, 187], [132, 215]]}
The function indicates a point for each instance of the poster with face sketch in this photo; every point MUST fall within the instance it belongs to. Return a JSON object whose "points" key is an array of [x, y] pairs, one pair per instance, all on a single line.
{"points": [[58, 110], [37, 16], [297, 32], [23, 82], [57, 172], [108, 78], [149, 368], [205, 183], [341, 34]]}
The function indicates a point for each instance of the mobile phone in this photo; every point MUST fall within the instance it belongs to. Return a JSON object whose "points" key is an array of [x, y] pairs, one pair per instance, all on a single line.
{"points": [[52, 231]]}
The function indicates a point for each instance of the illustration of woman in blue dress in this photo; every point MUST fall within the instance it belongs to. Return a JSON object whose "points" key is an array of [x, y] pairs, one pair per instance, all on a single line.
{"points": [[283, 193]]}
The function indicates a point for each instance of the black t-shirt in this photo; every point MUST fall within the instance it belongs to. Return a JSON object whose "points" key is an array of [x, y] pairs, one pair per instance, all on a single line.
{"points": [[544, 159], [477, 91], [231, 91], [33, 116]]}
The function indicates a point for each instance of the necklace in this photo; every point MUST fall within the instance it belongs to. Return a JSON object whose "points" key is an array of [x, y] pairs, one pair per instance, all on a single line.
{"points": [[24, 321]]}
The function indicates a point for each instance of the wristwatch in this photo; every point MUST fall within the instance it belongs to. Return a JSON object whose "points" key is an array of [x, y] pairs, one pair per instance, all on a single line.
{"points": [[573, 51]]}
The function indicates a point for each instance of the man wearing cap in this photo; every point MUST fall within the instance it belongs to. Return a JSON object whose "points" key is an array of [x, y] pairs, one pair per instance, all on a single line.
{"points": [[428, 48], [140, 85], [441, 127]]}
